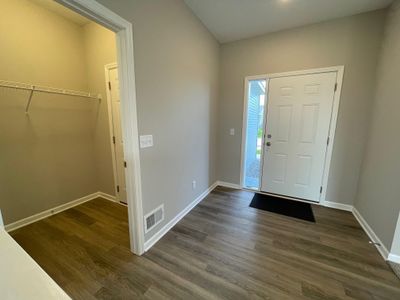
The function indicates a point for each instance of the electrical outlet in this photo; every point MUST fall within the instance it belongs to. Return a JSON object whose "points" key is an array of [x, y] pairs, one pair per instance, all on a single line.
{"points": [[194, 184]]}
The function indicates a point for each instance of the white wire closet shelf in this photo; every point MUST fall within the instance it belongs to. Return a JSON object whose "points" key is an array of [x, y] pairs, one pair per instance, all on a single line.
{"points": [[45, 89]]}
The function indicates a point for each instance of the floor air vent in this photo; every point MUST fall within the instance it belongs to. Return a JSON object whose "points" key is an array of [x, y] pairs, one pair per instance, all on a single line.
{"points": [[154, 218]]}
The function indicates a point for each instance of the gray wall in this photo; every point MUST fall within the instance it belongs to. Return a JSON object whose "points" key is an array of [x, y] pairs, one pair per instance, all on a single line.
{"points": [[353, 42], [176, 65], [379, 189]]}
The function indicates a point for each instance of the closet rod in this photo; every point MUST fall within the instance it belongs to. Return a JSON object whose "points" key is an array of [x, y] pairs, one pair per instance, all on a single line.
{"points": [[45, 89]]}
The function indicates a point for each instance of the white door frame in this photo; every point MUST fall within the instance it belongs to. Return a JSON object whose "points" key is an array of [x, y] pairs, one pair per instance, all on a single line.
{"points": [[107, 69], [126, 73], [332, 126]]}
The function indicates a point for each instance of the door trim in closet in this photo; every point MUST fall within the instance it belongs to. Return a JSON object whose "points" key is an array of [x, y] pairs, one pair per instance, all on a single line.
{"points": [[117, 182]]}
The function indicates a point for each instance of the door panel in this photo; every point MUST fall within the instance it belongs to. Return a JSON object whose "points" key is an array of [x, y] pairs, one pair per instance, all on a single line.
{"points": [[298, 120], [117, 130], [303, 170], [279, 167], [309, 123], [284, 122]]}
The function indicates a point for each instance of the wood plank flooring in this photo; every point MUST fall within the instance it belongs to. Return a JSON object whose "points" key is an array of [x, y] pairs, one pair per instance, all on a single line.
{"points": [[223, 249]]}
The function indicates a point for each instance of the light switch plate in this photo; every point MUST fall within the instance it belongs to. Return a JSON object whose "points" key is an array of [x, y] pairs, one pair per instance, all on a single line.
{"points": [[146, 141], [232, 131]]}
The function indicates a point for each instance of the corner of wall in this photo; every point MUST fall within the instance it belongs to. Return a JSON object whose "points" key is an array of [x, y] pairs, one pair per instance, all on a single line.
{"points": [[96, 58]]}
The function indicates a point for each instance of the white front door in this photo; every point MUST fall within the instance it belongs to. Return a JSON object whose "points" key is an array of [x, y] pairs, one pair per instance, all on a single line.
{"points": [[119, 160], [296, 134]]}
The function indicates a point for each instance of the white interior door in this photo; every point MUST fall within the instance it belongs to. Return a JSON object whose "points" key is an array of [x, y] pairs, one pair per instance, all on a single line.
{"points": [[296, 134], [117, 134]]}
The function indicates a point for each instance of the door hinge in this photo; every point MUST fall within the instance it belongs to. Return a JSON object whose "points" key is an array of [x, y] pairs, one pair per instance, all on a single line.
{"points": [[113, 138], [117, 188], [124, 164], [320, 190], [336, 85], [109, 85], [328, 141]]}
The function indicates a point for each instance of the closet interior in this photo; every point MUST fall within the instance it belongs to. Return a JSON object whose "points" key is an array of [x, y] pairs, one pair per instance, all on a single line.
{"points": [[60, 132]]}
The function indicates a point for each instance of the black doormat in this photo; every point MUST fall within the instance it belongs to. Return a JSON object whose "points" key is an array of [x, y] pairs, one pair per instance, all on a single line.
{"points": [[290, 208]]}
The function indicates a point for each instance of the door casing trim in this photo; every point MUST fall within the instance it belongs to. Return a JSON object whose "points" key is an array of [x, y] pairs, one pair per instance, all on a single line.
{"points": [[107, 69]]}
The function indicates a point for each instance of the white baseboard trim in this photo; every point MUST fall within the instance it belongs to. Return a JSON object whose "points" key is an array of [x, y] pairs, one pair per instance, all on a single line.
{"points": [[229, 185], [394, 258], [337, 205], [167, 227], [371, 234], [55, 210], [107, 196]]}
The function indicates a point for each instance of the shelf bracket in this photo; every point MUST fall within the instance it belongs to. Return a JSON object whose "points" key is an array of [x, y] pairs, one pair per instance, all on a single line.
{"points": [[29, 100]]}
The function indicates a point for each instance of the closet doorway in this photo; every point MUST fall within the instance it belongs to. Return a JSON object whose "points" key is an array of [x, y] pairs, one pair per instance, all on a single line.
{"points": [[125, 59], [54, 126], [289, 125]]}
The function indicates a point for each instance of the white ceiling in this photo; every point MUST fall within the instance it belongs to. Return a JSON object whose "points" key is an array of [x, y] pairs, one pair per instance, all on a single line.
{"points": [[231, 20], [62, 11]]}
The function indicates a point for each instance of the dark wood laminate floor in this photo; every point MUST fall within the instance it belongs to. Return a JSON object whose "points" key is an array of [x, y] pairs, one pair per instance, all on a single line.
{"points": [[222, 249]]}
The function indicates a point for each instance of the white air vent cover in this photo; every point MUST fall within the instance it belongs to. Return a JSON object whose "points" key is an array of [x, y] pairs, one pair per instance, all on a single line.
{"points": [[154, 218]]}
